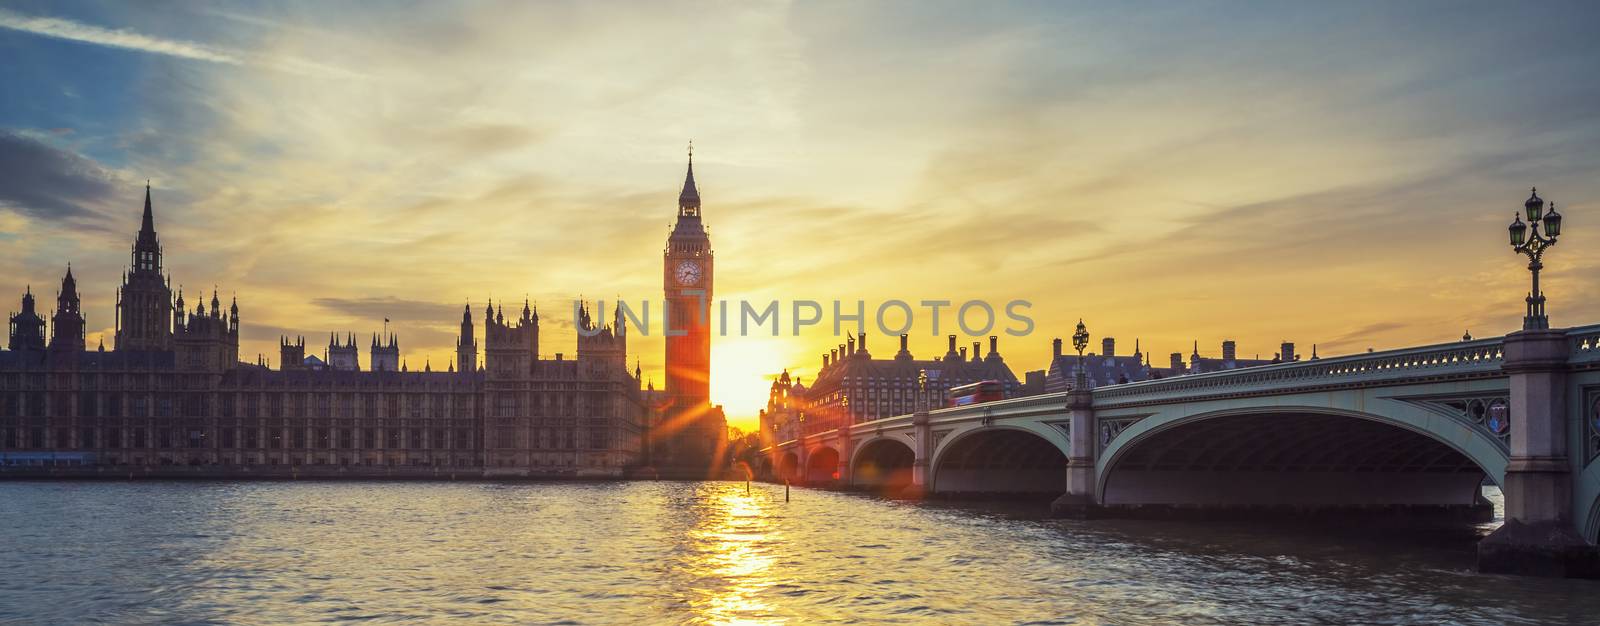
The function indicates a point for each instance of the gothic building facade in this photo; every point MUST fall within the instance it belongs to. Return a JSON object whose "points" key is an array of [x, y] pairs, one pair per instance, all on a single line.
{"points": [[853, 387], [1110, 368], [171, 396]]}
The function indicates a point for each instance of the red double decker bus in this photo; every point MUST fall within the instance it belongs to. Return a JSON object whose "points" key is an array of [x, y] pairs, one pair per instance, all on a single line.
{"points": [[976, 393]]}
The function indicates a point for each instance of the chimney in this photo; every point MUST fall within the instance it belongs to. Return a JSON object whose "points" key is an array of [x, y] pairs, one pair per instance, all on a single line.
{"points": [[1177, 361], [1055, 348], [835, 354], [994, 346], [963, 353], [862, 343], [905, 352], [1228, 350], [977, 350], [1286, 352], [824, 361], [952, 344], [1108, 347]]}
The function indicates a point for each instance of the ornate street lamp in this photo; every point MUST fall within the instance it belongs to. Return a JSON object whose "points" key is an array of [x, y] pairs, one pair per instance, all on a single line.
{"points": [[1525, 238], [1080, 340], [922, 390]]}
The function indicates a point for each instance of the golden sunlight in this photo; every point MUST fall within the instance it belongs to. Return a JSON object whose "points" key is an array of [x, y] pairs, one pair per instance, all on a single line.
{"points": [[742, 370], [734, 540]]}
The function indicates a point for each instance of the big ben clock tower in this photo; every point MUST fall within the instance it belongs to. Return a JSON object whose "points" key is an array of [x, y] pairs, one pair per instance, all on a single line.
{"points": [[693, 429]]}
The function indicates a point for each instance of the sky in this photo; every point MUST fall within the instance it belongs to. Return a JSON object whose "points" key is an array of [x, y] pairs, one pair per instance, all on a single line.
{"points": [[1338, 174]]}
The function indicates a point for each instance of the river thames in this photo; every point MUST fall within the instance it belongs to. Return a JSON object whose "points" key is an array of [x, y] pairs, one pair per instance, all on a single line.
{"points": [[676, 552]]}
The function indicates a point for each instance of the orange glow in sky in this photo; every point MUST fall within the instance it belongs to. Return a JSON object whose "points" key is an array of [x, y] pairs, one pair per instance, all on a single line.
{"points": [[1327, 180]]}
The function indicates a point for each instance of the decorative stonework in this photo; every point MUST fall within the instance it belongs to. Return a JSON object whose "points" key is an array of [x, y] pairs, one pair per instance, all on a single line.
{"points": [[1591, 420], [1065, 427], [1111, 428], [939, 436], [1488, 414]]}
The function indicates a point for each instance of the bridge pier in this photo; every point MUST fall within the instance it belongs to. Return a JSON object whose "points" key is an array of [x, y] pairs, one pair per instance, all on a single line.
{"points": [[846, 450], [1079, 500], [922, 450], [1539, 537]]}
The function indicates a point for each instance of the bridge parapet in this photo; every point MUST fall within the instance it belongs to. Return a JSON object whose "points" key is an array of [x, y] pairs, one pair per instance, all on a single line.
{"points": [[1585, 344], [1460, 360]]}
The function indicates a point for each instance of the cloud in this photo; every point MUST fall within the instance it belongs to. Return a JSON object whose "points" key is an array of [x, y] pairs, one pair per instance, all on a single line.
{"points": [[1260, 175], [1361, 337], [44, 182], [129, 40], [392, 308], [256, 331], [115, 38]]}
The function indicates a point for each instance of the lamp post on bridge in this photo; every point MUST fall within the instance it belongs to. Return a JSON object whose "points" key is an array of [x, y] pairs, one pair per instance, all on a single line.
{"points": [[1080, 340], [1526, 238], [922, 392], [1079, 499], [922, 440], [1541, 535], [841, 476]]}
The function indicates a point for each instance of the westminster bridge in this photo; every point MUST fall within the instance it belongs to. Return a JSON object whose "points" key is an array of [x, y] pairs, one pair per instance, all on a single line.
{"points": [[1416, 429]]}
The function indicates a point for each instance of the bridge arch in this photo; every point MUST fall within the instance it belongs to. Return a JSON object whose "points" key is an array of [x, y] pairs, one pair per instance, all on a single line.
{"points": [[1297, 456], [999, 459], [789, 466], [882, 465], [763, 467], [1591, 528], [821, 466]]}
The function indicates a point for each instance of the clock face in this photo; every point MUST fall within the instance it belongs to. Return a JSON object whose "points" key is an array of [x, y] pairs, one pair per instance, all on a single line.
{"points": [[688, 273]]}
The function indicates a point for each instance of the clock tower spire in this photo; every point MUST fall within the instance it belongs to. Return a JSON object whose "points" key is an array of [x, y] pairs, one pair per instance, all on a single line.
{"points": [[689, 199], [692, 430]]}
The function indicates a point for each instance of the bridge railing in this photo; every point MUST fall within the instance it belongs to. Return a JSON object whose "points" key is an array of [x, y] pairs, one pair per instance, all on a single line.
{"points": [[1462, 358], [1482, 356], [1585, 344], [1477, 358], [1042, 404]]}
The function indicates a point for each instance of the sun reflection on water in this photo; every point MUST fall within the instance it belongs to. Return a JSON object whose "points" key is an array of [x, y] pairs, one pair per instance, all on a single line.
{"points": [[733, 546]]}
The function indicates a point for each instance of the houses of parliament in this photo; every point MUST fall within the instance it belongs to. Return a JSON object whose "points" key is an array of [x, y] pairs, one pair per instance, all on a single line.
{"points": [[171, 397]]}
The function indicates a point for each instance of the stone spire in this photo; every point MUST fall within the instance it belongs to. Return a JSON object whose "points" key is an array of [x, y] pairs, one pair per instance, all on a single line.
{"points": [[689, 199], [148, 225], [66, 325], [146, 247], [69, 285]]}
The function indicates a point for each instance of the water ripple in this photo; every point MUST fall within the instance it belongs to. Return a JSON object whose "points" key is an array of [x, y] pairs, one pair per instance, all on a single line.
{"points": [[698, 553]]}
